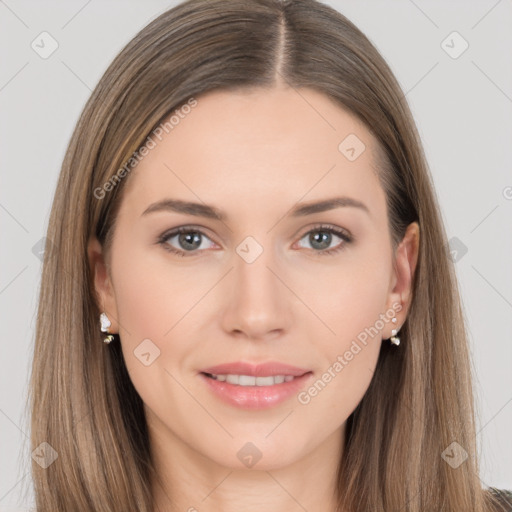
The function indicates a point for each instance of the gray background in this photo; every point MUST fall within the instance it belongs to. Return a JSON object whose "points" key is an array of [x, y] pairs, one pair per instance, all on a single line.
{"points": [[462, 107]]}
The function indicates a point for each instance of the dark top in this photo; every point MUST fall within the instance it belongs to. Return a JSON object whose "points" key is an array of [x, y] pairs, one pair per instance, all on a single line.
{"points": [[504, 497]]}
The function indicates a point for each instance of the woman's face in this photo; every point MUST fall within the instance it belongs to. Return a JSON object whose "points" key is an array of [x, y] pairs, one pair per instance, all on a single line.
{"points": [[260, 276]]}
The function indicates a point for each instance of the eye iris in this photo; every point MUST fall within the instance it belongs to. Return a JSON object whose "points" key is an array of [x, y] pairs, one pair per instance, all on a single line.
{"points": [[318, 234], [188, 239]]}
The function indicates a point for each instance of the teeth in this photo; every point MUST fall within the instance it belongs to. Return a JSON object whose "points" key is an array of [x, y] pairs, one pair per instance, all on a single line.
{"points": [[232, 379], [249, 380]]}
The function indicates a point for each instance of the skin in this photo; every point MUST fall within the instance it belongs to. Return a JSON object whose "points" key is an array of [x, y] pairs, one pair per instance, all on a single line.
{"points": [[254, 155]]}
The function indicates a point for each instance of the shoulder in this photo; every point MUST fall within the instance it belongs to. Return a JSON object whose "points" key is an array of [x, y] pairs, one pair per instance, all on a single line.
{"points": [[503, 498]]}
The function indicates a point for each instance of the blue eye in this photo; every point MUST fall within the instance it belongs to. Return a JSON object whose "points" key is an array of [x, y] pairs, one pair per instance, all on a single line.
{"points": [[191, 240], [322, 236], [188, 238]]}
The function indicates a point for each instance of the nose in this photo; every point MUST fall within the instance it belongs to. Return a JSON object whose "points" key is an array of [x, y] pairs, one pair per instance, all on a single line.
{"points": [[257, 304]]}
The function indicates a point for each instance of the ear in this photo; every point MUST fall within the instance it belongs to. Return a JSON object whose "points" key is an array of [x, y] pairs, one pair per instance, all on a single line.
{"points": [[406, 259], [102, 283]]}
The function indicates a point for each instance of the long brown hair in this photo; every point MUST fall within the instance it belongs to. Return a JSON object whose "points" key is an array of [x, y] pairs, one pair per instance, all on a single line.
{"points": [[82, 402]]}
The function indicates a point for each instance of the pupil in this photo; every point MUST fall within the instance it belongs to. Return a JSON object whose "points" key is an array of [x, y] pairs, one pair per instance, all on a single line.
{"points": [[185, 240], [327, 239]]}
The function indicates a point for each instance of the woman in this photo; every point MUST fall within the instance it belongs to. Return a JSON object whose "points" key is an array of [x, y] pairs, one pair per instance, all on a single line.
{"points": [[246, 218]]}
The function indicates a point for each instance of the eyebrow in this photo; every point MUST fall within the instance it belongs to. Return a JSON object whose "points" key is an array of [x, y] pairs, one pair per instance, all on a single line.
{"points": [[210, 212]]}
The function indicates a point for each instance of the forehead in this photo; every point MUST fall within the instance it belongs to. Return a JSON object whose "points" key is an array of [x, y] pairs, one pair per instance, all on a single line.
{"points": [[259, 147]]}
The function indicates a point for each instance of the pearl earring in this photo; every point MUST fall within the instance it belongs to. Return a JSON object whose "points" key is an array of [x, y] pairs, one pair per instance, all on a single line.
{"points": [[105, 324], [395, 340]]}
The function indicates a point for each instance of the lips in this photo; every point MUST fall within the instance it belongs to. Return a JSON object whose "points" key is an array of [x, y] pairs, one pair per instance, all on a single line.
{"points": [[269, 369], [255, 386]]}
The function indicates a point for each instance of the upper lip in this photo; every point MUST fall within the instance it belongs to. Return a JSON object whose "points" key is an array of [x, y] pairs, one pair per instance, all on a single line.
{"points": [[268, 369]]}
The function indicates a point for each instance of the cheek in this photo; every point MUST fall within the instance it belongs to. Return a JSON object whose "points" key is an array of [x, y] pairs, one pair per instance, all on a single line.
{"points": [[154, 292], [349, 361], [157, 304], [152, 305], [350, 295], [353, 305]]}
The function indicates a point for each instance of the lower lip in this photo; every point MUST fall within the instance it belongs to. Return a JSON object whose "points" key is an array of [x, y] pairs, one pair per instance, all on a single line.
{"points": [[256, 397]]}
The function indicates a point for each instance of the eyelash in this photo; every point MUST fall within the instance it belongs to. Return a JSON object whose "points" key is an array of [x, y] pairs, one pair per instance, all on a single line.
{"points": [[344, 235]]}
